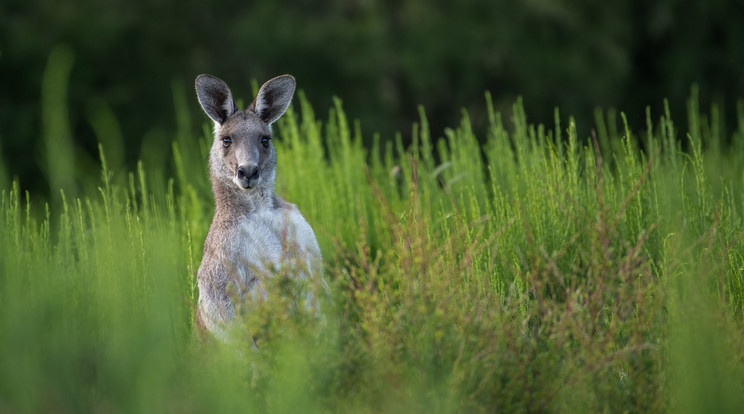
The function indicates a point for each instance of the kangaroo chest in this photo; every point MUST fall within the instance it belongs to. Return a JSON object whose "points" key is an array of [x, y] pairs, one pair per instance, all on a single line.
{"points": [[239, 254], [271, 238]]}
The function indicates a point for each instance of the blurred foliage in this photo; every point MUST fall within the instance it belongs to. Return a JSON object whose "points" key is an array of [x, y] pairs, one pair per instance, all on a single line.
{"points": [[383, 58], [520, 272]]}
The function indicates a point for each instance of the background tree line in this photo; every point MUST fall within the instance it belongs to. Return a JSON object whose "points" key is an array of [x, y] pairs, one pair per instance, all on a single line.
{"points": [[383, 58]]}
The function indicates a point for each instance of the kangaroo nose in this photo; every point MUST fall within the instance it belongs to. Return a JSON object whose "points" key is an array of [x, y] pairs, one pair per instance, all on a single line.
{"points": [[247, 175]]}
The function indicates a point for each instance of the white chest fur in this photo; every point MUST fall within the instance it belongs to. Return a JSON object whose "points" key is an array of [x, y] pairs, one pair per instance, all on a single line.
{"points": [[240, 255], [270, 240]]}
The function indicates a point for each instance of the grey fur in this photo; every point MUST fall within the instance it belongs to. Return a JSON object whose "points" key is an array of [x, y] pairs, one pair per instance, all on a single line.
{"points": [[254, 232]]}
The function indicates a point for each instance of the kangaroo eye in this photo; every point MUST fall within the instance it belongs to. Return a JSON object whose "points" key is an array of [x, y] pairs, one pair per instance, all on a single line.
{"points": [[226, 141], [265, 141]]}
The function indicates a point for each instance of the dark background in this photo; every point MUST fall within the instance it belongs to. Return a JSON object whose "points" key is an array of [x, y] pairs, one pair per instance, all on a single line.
{"points": [[382, 58]]}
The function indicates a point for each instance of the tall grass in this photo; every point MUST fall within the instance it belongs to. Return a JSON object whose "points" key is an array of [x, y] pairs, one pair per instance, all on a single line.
{"points": [[545, 270]]}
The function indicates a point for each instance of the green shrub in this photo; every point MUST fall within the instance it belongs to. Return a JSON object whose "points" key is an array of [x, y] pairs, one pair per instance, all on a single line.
{"points": [[537, 272]]}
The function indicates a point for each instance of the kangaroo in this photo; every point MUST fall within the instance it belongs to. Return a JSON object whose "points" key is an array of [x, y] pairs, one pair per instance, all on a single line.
{"points": [[253, 232]]}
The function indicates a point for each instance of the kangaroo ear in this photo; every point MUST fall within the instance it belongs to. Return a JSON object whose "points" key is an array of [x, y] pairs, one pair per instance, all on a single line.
{"points": [[215, 97], [273, 98]]}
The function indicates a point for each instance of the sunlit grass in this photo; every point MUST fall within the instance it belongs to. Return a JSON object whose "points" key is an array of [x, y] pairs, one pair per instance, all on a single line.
{"points": [[543, 270]]}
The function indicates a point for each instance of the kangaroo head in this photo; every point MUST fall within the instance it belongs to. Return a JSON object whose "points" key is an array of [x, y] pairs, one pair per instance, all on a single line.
{"points": [[242, 151]]}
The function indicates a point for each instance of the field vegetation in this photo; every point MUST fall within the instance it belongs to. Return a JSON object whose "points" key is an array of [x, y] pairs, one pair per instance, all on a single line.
{"points": [[540, 268]]}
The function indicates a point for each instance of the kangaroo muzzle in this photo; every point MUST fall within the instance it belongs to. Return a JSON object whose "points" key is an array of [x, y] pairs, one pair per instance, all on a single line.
{"points": [[247, 176]]}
